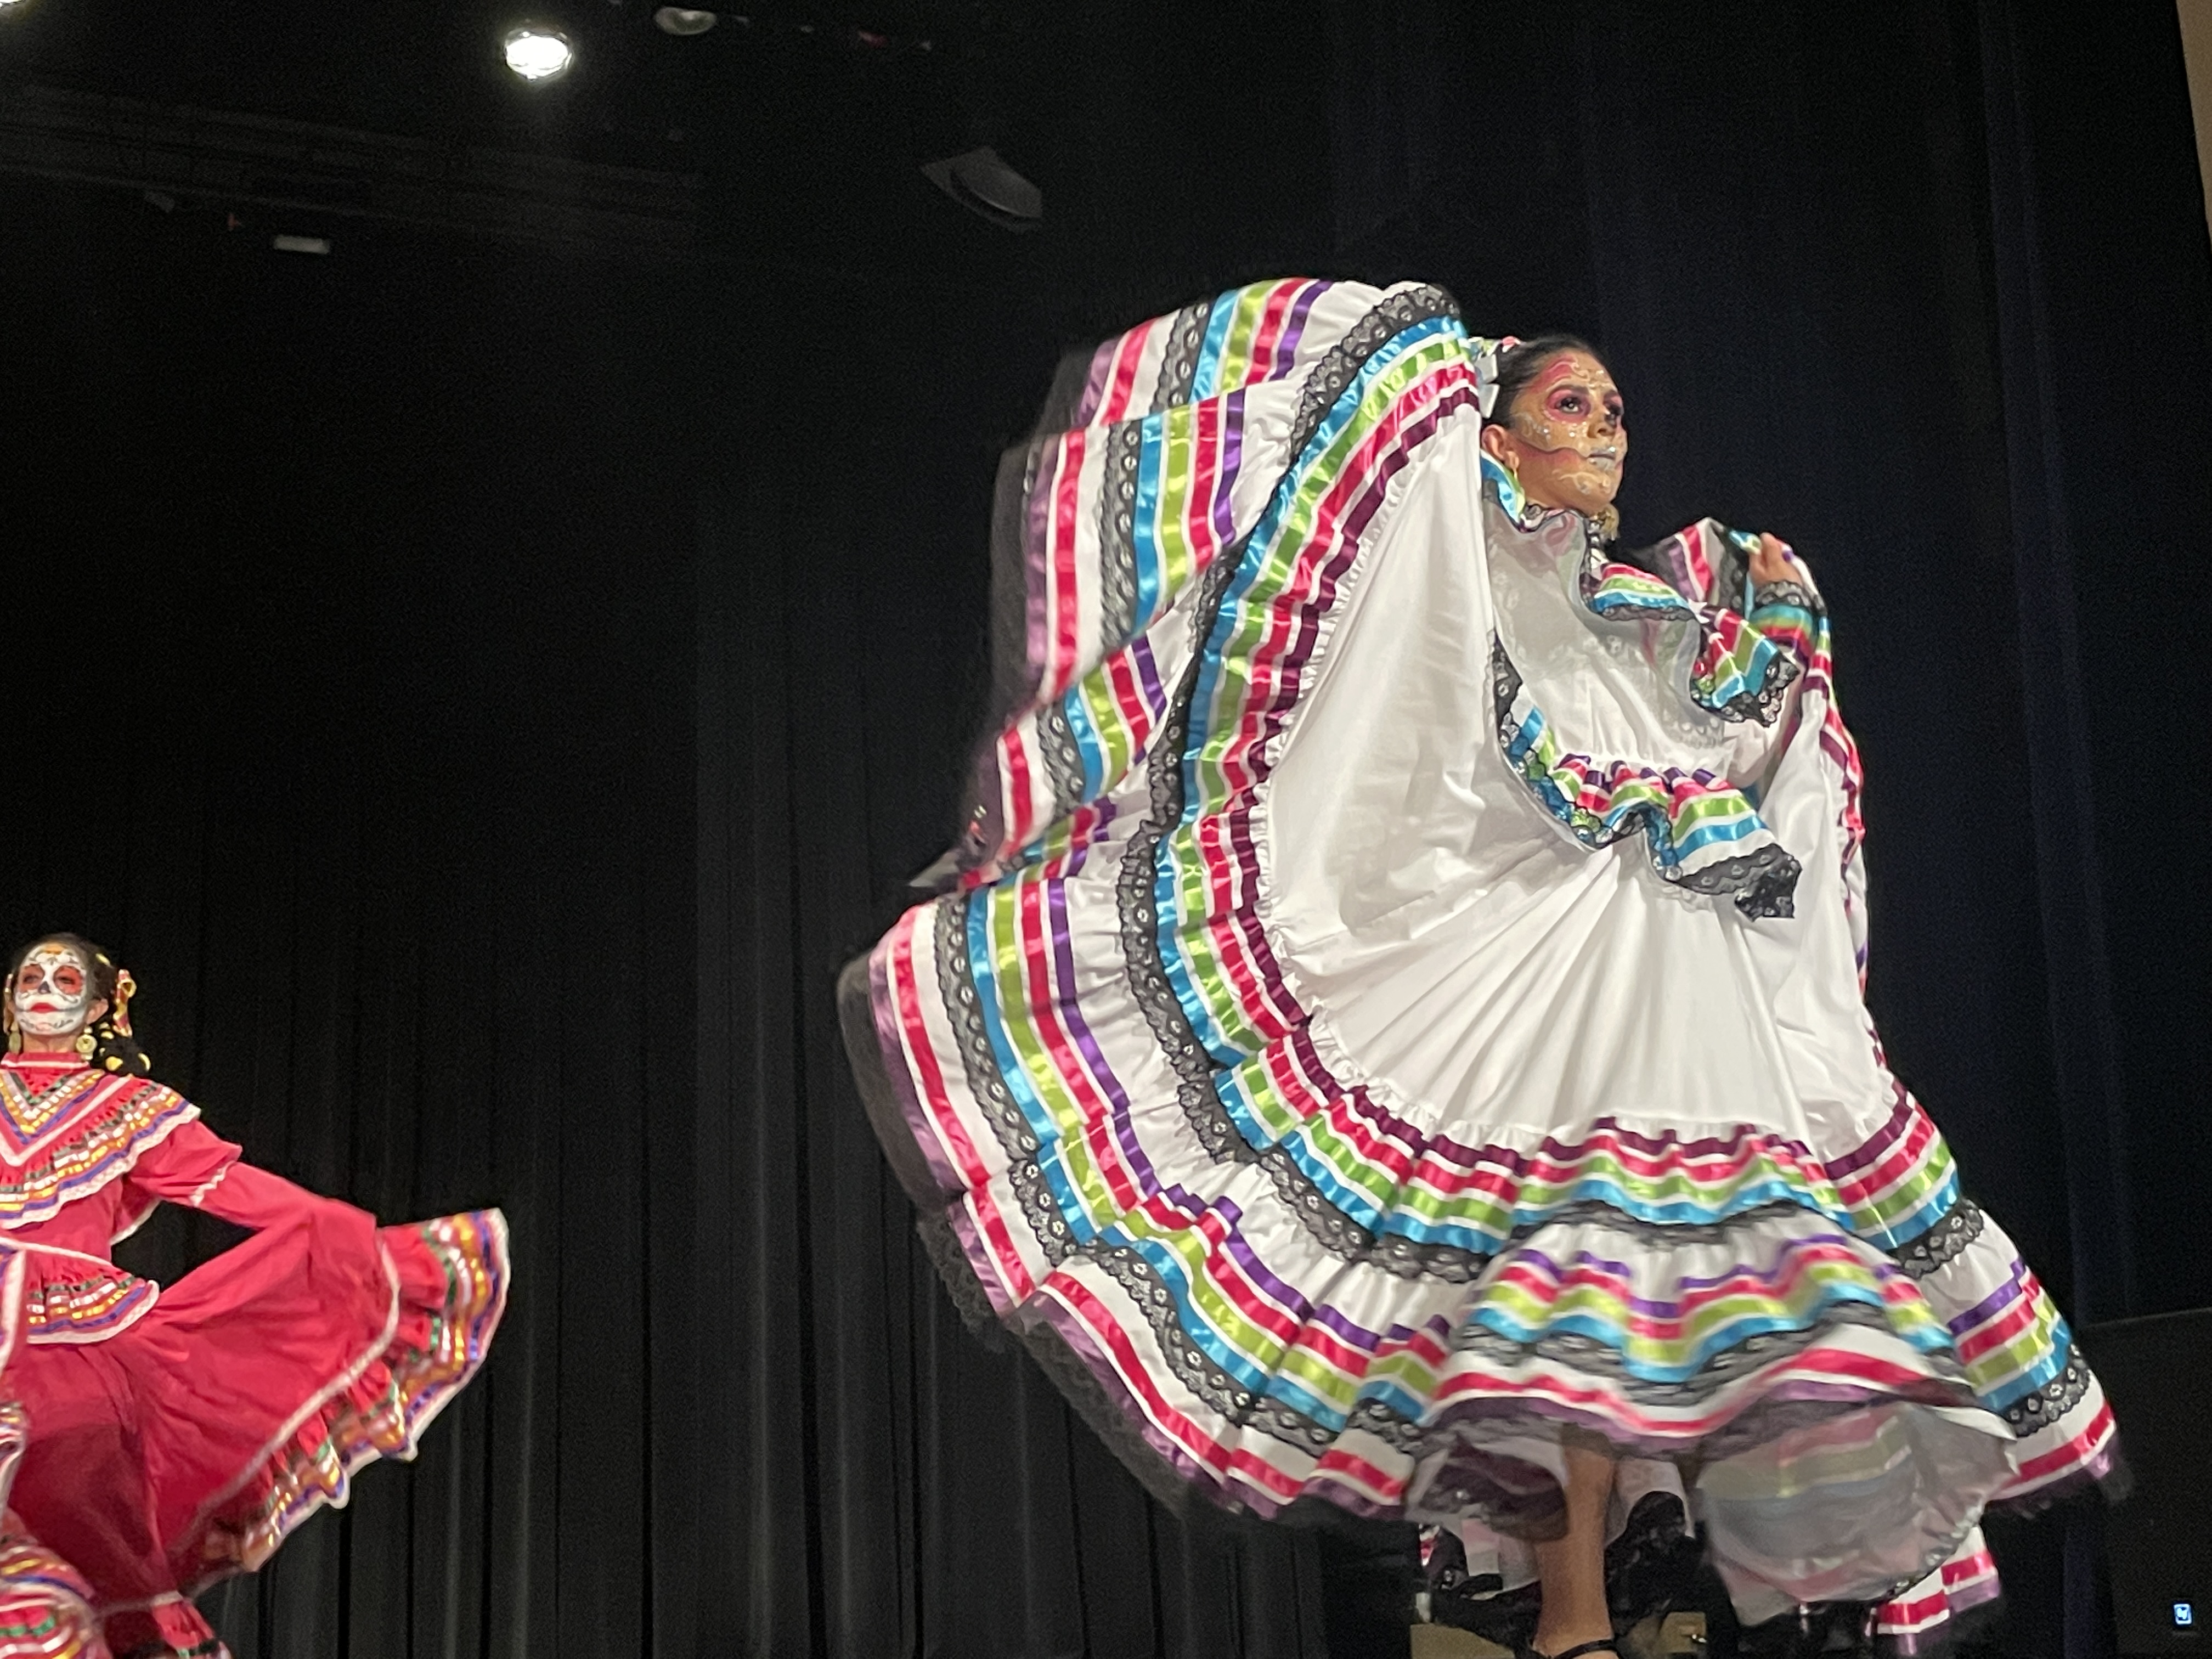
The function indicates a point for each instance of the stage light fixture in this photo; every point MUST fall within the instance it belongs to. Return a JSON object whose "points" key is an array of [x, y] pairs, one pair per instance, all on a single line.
{"points": [[684, 19], [537, 52], [982, 182]]}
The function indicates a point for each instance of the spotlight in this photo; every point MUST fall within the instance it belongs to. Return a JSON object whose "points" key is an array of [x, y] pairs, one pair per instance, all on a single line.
{"points": [[983, 184], [538, 54], [684, 19]]}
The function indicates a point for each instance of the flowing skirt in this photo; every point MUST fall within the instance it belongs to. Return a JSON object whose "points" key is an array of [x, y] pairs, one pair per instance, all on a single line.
{"points": [[187, 1447], [1351, 1101], [46, 1605]]}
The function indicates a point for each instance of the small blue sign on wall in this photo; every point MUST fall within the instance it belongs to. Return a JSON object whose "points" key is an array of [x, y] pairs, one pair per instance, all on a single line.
{"points": [[2185, 1615]]}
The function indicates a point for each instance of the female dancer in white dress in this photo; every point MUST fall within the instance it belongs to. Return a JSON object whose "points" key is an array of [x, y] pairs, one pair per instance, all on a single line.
{"points": [[1395, 1039]]}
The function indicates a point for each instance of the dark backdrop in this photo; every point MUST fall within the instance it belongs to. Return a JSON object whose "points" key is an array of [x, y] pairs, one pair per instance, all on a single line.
{"points": [[484, 693]]}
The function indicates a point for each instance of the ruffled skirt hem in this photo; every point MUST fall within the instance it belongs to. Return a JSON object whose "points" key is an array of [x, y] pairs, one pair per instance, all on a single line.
{"points": [[450, 1277], [245, 1401], [46, 1605], [1951, 1605], [1843, 1400]]}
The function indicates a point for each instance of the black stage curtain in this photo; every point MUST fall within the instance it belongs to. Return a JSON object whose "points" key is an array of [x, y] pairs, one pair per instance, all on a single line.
{"points": [[486, 694], [362, 611]]}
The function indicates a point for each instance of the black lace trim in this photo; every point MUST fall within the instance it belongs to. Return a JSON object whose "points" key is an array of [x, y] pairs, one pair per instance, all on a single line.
{"points": [[1179, 361], [1944, 1243], [1335, 1231], [1339, 1234], [1388, 317], [1410, 1259], [1135, 884], [942, 1245], [1762, 883], [1658, 1235], [963, 1009], [1134, 892], [1233, 1402], [1636, 1565], [1110, 1420], [1786, 592], [1592, 1357], [1228, 1399], [1117, 520], [1763, 706], [1505, 682], [1063, 760], [2036, 1411]]}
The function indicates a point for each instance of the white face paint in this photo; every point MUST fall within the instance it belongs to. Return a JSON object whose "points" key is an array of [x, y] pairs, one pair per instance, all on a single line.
{"points": [[52, 995]]}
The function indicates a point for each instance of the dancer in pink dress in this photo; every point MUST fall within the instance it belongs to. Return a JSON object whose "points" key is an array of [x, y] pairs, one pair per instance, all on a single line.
{"points": [[46, 1605], [177, 1435]]}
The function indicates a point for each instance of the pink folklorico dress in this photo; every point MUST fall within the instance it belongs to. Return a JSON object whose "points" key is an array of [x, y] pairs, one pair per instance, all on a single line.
{"points": [[46, 1605], [176, 1434]]}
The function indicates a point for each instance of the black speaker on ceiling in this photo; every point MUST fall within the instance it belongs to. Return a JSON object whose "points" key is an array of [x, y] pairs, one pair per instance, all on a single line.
{"points": [[2157, 1372]]}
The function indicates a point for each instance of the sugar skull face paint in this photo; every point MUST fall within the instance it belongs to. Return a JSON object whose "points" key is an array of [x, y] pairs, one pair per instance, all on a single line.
{"points": [[52, 996], [1566, 436]]}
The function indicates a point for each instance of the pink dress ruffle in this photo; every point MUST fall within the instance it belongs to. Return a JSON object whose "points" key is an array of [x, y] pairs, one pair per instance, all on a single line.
{"points": [[212, 1416], [46, 1605]]}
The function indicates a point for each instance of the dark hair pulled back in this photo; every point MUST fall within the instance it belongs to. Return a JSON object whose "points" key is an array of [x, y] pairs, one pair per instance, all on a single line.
{"points": [[1518, 363], [114, 1048]]}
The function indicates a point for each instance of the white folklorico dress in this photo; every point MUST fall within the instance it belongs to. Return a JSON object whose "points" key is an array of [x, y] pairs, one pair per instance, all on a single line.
{"points": [[1402, 1000]]}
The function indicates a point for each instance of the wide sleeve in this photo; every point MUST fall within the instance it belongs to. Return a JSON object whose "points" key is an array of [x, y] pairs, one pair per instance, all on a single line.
{"points": [[1788, 613], [1786, 616], [196, 1167]]}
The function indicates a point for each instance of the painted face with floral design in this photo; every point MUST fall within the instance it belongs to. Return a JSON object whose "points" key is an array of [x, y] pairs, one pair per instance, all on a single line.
{"points": [[1566, 438], [52, 996]]}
